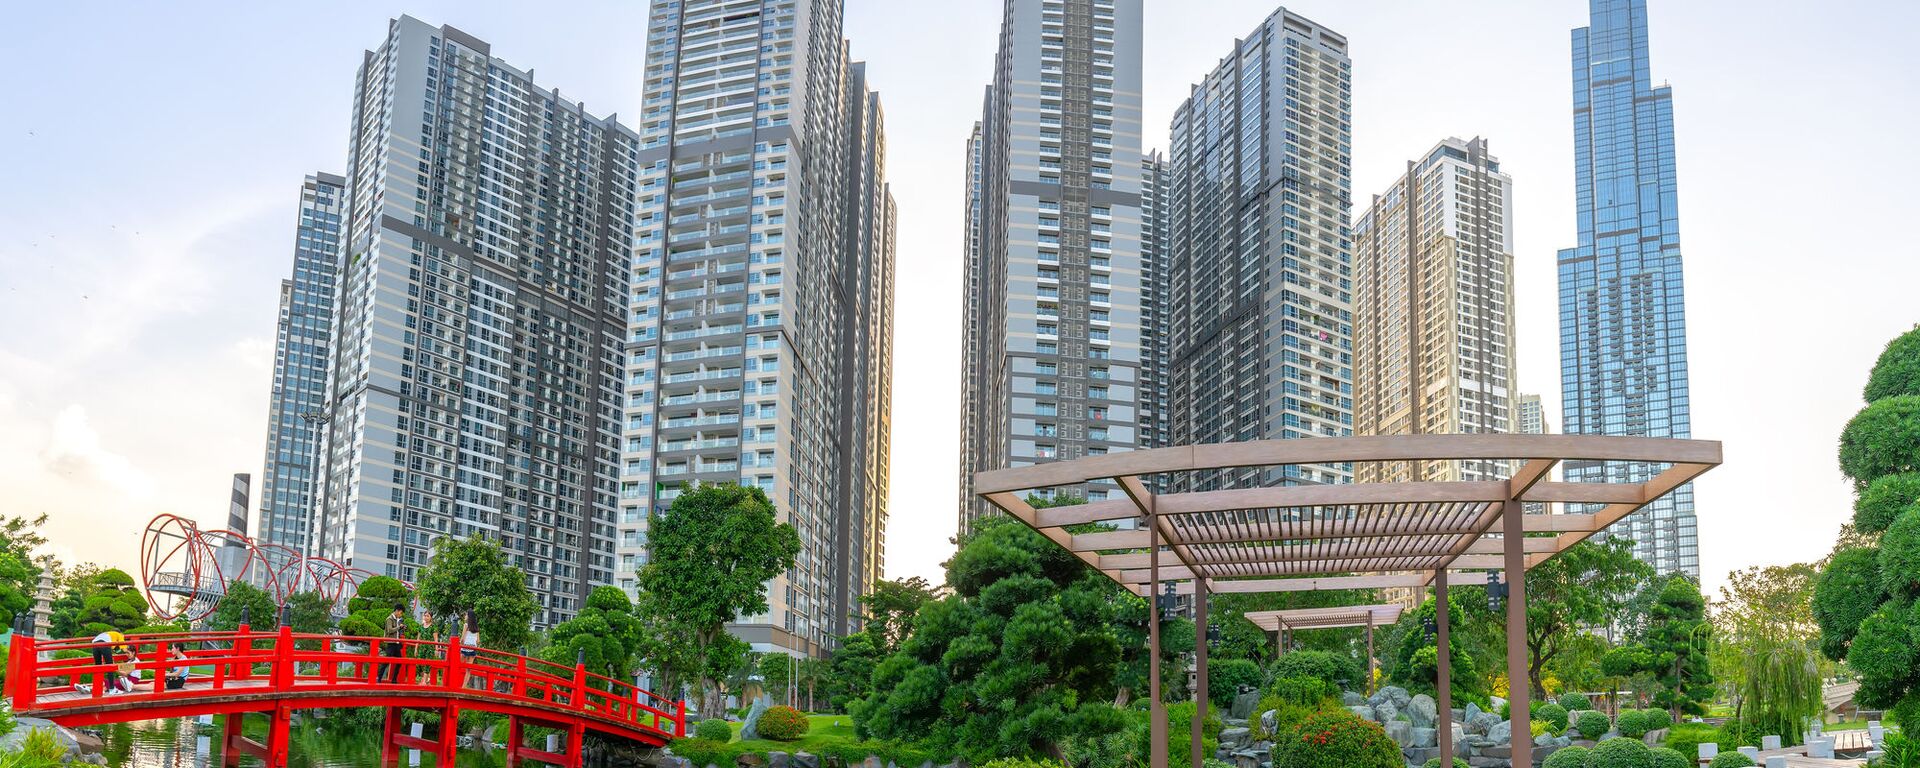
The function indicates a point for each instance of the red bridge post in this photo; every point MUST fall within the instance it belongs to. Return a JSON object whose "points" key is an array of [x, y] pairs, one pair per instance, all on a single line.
{"points": [[279, 736], [389, 746], [242, 646], [514, 736], [449, 735]]}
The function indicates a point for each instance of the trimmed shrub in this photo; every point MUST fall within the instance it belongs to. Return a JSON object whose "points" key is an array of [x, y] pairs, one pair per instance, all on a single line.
{"points": [[1621, 753], [1574, 702], [1667, 758], [1552, 714], [1335, 738], [1632, 723], [1300, 690], [1897, 372], [1022, 762], [782, 723], [1900, 557], [1731, 760], [1287, 716], [1686, 738], [1657, 719], [1883, 501], [1883, 655], [1592, 724], [1568, 757], [713, 730], [1457, 763], [1843, 596], [1320, 665], [1224, 678], [1883, 439]]}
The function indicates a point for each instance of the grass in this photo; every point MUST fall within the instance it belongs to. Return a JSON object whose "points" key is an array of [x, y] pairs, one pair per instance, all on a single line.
{"points": [[818, 726], [1852, 725], [827, 735]]}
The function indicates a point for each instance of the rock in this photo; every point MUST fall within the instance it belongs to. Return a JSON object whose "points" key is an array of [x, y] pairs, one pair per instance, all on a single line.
{"points": [[1418, 756], [1501, 732], [749, 760], [1471, 712], [805, 760], [751, 729], [1244, 704], [1421, 710], [1494, 703], [1269, 720], [1656, 737], [1425, 737], [1386, 712], [1235, 737], [1397, 695], [1351, 699], [778, 759], [1608, 736], [1363, 712], [1543, 740], [1401, 732]]}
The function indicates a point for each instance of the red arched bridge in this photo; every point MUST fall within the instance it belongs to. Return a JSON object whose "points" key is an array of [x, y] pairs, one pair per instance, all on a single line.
{"points": [[240, 673]]}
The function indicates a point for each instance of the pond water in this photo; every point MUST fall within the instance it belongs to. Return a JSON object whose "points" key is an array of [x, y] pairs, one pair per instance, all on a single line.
{"points": [[188, 744]]}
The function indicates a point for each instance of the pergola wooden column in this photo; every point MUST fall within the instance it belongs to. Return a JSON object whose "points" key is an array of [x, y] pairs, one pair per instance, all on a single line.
{"points": [[1339, 617], [1327, 537]]}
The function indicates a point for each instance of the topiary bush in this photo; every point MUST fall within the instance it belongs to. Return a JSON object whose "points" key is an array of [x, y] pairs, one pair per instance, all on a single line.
{"points": [[782, 723], [1592, 724], [1686, 738], [1900, 557], [1621, 753], [1845, 595], [1335, 738], [1224, 678], [1883, 655], [1883, 501], [1731, 760], [1897, 372], [713, 730], [1568, 757], [1574, 702], [1632, 723], [1882, 439], [1457, 763], [1319, 665], [1553, 715], [1300, 690], [1669, 758], [1657, 719]]}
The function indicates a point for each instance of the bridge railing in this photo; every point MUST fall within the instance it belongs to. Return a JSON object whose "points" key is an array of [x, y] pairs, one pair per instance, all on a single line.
{"points": [[219, 663]]}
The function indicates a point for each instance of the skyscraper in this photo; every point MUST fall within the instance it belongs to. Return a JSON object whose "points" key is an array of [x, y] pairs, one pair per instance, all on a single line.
{"points": [[1153, 307], [1623, 331], [290, 482], [1258, 252], [1054, 272], [475, 386], [1530, 418], [759, 333], [1433, 326]]}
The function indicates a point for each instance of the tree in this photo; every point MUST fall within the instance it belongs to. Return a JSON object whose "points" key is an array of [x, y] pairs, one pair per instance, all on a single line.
{"points": [[471, 577], [1678, 636], [1861, 600], [1777, 595], [20, 541], [605, 636], [712, 556], [309, 613], [850, 675], [890, 608], [372, 602], [244, 604], [96, 601], [1018, 658], [1417, 659], [1584, 586]]}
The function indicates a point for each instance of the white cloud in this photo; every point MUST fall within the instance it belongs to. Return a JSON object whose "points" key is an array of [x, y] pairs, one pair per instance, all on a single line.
{"points": [[74, 452]]}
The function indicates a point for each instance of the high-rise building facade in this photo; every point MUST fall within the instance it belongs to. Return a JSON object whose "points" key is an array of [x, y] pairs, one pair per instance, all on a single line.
{"points": [[1258, 251], [1154, 418], [1433, 321], [1054, 284], [290, 482], [1623, 330], [476, 378], [758, 345], [1529, 416]]}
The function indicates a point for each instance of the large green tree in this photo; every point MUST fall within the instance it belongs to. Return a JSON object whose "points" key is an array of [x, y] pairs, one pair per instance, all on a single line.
{"points": [[711, 557], [244, 603], [890, 608], [1416, 659], [98, 600], [472, 577], [372, 602], [605, 636], [1678, 636], [1861, 601], [1018, 658], [20, 563], [1583, 587]]}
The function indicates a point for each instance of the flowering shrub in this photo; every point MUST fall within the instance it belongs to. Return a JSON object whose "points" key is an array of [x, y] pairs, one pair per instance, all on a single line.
{"points": [[1335, 738], [782, 723]]}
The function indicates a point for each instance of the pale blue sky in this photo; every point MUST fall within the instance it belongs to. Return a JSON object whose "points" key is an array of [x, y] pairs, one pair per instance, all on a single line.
{"points": [[153, 153]]}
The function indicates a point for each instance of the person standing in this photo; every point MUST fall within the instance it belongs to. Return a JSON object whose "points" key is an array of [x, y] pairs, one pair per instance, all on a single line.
{"points": [[104, 646], [396, 631]]}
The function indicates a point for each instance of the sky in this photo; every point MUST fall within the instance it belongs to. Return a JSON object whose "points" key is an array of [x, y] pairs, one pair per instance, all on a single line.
{"points": [[152, 156]]}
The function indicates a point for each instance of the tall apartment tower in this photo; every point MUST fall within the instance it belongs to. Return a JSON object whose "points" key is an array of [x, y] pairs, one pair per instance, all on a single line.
{"points": [[1623, 320], [290, 481], [1433, 324], [1258, 251], [1054, 284], [476, 375], [1154, 417], [1530, 418], [758, 343]]}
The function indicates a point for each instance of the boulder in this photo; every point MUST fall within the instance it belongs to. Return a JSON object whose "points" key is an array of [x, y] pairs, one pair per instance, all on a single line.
{"points": [[1419, 756], [1235, 737], [1481, 722], [805, 760], [1425, 737], [749, 760], [1656, 738], [1244, 704], [1421, 710], [1500, 732], [1269, 720], [1386, 712], [1351, 699], [1363, 712], [1397, 695], [778, 759], [1472, 711], [1494, 703], [1401, 732], [750, 730]]}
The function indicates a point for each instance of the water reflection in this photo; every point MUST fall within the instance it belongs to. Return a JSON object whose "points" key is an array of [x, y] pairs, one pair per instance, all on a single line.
{"points": [[188, 744]]}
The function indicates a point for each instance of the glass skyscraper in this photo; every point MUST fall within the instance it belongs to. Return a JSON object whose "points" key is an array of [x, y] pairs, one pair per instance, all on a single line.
{"points": [[1623, 334], [291, 483]]}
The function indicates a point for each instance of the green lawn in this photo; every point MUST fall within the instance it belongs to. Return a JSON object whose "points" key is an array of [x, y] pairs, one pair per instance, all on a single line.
{"points": [[818, 727], [826, 735], [1855, 725]]}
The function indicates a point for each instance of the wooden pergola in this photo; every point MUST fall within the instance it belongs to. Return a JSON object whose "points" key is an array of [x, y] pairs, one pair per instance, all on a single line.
{"points": [[1284, 623], [1348, 536]]}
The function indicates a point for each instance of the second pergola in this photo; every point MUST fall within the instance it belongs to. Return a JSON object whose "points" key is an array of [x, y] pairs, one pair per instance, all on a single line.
{"points": [[1288, 538], [1284, 623]]}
